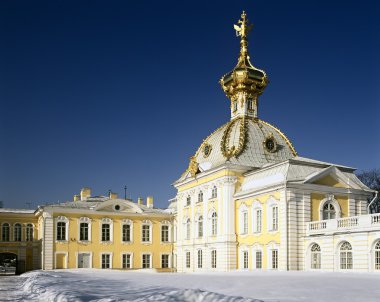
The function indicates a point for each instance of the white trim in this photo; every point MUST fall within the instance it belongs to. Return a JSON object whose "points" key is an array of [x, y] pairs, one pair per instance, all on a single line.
{"points": [[130, 223], [272, 203], [168, 224], [169, 260], [110, 222], [121, 260], [88, 221], [101, 256], [67, 222], [148, 223], [330, 198], [150, 259]]}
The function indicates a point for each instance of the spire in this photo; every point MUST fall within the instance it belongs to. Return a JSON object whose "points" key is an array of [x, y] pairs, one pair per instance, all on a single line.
{"points": [[244, 83]]}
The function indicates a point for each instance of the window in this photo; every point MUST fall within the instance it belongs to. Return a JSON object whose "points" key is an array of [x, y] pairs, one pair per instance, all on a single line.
{"points": [[188, 229], [250, 104], [106, 261], [29, 232], [146, 233], [214, 192], [187, 259], [127, 261], [83, 231], [214, 222], [188, 200], [200, 227], [200, 196], [258, 221], [275, 218], [146, 261], [315, 253], [106, 232], [377, 256], [5, 232], [275, 259], [126, 233], [165, 261], [259, 260], [235, 105], [17, 232], [213, 259], [346, 256], [245, 259], [165, 233], [61, 231], [200, 259], [245, 222], [329, 211]]}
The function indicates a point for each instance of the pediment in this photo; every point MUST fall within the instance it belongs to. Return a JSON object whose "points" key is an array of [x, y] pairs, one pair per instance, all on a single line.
{"points": [[331, 177], [118, 206]]}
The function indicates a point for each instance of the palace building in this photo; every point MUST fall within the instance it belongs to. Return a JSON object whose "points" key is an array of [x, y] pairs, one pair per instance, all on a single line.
{"points": [[246, 201]]}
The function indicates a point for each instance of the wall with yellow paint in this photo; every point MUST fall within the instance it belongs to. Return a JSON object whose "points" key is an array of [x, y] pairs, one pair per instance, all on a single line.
{"points": [[316, 199]]}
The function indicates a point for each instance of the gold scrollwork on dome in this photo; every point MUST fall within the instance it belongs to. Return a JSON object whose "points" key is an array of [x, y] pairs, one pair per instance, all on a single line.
{"points": [[227, 151], [193, 166], [207, 148]]}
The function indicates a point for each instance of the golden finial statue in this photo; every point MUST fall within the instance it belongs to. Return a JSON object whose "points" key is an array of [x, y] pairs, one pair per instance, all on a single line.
{"points": [[245, 27]]}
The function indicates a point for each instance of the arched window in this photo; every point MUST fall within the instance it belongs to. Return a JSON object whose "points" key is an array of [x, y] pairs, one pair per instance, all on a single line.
{"points": [[214, 192], [29, 232], [200, 196], [188, 226], [188, 200], [377, 256], [214, 224], [200, 227], [346, 256], [329, 211], [17, 232], [315, 253], [5, 232]]}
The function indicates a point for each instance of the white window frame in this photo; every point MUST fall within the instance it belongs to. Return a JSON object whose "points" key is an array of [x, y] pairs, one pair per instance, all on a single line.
{"points": [[200, 222], [200, 257], [257, 223], [315, 254], [165, 223], [200, 196], [88, 221], [214, 259], [169, 260], [346, 266], [67, 223], [256, 260], [101, 259], [214, 192], [187, 229], [108, 221], [271, 204], [150, 260], [187, 259], [270, 247], [150, 229], [2, 231], [245, 258], [330, 199], [376, 255], [213, 223], [14, 232], [123, 223], [130, 258]]}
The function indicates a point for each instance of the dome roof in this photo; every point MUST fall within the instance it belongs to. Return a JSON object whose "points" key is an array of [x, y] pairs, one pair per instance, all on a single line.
{"points": [[246, 142]]}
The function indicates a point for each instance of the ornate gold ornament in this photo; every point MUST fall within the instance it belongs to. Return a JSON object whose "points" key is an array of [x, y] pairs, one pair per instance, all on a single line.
{"points": [[193, 166], [227, 151], [270, 143], [207, 148]]}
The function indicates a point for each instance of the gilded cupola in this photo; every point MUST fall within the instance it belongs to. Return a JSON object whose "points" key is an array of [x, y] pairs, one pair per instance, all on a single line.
{"points": [[245, 82]]}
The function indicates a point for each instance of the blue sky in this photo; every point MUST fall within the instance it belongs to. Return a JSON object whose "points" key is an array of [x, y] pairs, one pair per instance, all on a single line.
{"points": [[112, 93]]}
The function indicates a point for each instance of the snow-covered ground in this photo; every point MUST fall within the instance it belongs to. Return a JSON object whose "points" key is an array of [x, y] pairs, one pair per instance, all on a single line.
{"points": [[108, 285]]}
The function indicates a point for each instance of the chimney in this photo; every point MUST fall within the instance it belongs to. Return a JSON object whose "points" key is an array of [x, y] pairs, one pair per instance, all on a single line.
{"points": [[85, 193], [76, 197], [149, 201], [140, 201], [112, 195]]}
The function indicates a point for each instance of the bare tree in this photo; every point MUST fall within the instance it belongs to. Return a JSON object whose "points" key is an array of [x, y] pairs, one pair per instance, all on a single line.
{"points": [[371, 179]]}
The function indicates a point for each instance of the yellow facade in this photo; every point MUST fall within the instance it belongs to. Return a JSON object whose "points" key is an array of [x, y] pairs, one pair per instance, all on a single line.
{"points": [[316, 202]]}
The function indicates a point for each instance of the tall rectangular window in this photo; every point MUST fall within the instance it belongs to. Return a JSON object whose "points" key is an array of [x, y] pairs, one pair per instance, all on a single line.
{"points": [[5, 232], [165, 233], [29, 232], [275, 259], [83, 231], [275, 218], [165, 261], [200, 227], [245, 222], [258, 221], [127, 261], [259, 260], [145, 233], [106, 232], [245, 259], [126, 232], [213, 259], [200, 259], [61, 230], [146, 261], [106, 261], [17, 232], [187, 259]]}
